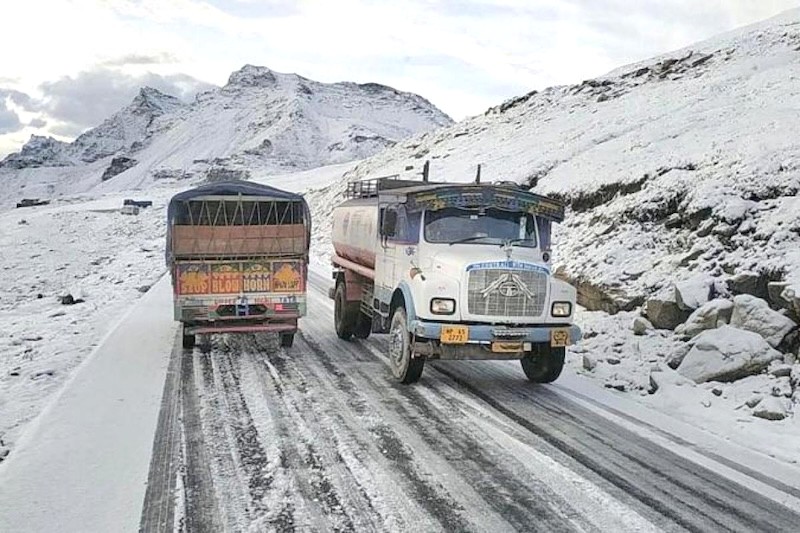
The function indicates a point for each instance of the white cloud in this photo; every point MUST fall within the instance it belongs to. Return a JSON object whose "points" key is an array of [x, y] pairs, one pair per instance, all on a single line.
{"points": [[463, 55]]}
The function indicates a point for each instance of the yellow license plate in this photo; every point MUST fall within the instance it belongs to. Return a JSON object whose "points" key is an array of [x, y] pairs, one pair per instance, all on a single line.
{"points": [[506, 347], [559, 338], [454, 335]]}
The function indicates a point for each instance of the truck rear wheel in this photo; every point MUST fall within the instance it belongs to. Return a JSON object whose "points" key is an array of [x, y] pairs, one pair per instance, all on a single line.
{"points": [[287, 339], [406, 369], [344, 313], [188, 339], [544, 365]]}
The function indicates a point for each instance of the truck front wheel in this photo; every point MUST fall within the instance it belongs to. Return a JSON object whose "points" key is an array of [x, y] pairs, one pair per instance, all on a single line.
{"points": [[344, 313], [406, 369], [544, 365]]}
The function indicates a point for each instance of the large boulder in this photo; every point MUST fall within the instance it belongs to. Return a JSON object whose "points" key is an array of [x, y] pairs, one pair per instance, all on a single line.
{"points": [[775, 292], [693, 293], [754, 314], [791, 294], [664, 313], [641, 326], [772, 408], [748, 283], [708, 316], [727, 354], [676, 356]]}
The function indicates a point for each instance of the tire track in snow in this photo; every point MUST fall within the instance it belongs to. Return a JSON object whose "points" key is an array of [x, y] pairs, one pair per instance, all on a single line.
{"points": [[202, 511], [688, 495], [329, 413], [158, 512], [523, 503]]}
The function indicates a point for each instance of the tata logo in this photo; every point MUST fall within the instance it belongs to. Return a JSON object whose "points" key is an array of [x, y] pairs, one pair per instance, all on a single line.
{"points": [[507, 285], [509, 289]]}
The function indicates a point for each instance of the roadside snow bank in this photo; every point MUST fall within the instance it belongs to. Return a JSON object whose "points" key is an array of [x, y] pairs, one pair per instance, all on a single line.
{"points": [[83, 464], [88, 250]]}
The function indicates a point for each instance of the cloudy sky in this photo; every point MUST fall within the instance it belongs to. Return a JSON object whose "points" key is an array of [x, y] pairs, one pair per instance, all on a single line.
{"points": [[65, 65]]}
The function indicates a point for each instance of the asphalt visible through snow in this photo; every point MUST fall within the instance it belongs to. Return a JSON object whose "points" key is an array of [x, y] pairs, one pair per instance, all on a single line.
{"points": [[318, 437]]}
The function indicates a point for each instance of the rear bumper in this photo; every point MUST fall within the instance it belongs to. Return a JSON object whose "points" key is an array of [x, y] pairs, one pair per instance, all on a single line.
{"points": [[194, 329], [485, 334]]}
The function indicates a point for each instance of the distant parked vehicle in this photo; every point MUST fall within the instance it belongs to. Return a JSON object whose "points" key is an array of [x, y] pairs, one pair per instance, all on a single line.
{"points": [[129, 210], [143, 204], [238, 254], [30, 202]]}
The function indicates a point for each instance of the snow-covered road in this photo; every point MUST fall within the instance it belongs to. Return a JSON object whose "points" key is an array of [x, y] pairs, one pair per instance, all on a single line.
{"points": [[319, 437]]}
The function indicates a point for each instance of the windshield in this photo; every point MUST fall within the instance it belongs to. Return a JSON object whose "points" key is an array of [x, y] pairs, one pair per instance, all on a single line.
{"points": [[485, 226]]}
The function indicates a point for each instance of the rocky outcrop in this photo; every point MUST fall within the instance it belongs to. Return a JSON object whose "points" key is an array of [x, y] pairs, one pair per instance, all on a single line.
{"points": [[118, 166], [597, 297], [726, 354], [219, 174]]}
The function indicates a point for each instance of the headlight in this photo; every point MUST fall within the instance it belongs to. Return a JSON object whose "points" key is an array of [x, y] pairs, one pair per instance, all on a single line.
{"points": [[561, 309], [443, 306]]}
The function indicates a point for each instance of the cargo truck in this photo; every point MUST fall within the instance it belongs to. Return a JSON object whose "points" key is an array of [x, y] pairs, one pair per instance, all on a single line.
{"points": [[238, 254], [451, 271]]}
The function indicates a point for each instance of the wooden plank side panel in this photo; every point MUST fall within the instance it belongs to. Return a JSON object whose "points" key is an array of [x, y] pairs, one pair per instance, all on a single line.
{"points": [[234, 241]]}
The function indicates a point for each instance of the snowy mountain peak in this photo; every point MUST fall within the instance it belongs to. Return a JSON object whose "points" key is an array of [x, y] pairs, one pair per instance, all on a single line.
{"points": [[155, 101], [261, 122], [253, 76], [38, 151]]}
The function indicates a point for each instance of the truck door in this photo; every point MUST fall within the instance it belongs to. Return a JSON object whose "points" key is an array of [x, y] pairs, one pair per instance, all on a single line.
{"points": [[385, 262], [397, 248]]}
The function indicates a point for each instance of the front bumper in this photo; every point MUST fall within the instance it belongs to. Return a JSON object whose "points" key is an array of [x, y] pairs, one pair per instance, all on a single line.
{"points": [[479, 342], [486, 333]]}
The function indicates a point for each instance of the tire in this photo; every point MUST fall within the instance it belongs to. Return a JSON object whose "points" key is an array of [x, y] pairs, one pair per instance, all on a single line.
{"points": [[544, 365], [287, 339], [344, 313], [188, 340], [406, 369], [363, 326]]}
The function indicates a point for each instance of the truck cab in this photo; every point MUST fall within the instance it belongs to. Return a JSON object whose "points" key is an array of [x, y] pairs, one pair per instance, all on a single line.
{"points": [[452, 271]]}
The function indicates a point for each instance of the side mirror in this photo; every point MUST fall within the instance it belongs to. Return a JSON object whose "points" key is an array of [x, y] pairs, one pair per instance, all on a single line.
{"points": [[389, 226]]}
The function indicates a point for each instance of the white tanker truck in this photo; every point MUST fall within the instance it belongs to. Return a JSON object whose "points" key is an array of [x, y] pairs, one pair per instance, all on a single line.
{"points": [[451, 271]]}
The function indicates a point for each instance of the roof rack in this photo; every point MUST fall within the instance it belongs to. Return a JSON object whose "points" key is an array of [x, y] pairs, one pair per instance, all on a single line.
{"points": [[364, 188]]}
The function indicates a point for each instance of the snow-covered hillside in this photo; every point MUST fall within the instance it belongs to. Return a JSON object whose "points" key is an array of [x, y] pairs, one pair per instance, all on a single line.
{"points": [[261, 121], [682, 165]]}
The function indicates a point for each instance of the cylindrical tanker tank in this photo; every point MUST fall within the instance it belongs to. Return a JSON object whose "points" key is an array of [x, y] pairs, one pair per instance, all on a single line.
{"points": [[355, 231]]}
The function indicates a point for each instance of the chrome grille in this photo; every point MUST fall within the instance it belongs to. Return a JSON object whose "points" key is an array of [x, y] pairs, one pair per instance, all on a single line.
{"points": [[503, 292]]}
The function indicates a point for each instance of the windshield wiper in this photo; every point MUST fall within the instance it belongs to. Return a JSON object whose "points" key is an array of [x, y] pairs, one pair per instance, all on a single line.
{"points": [[512, 242], [468, 239]]}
